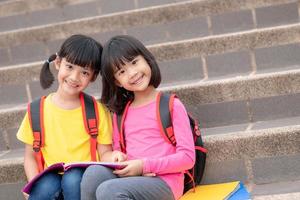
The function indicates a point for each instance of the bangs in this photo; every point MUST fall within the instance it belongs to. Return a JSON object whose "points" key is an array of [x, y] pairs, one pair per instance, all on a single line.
{"points": [[120, 53], [84, 53]]}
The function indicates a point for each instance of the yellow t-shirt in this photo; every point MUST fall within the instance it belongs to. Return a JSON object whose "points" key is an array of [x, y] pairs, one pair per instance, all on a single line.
{"points": [[66, 139]]}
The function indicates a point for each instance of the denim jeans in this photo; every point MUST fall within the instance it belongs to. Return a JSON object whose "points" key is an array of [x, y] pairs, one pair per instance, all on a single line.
{"points": [[53, 186]]}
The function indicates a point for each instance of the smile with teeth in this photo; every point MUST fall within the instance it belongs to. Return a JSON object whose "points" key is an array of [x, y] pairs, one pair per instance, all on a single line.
{"points": [[71, 84], [139, 80]]}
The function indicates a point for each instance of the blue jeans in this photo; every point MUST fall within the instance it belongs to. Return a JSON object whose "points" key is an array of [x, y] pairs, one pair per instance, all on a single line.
{"points": [[53, 186]]}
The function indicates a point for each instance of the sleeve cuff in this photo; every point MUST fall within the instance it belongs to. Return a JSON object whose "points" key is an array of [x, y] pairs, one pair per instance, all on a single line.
{"points": [[146, 166]]}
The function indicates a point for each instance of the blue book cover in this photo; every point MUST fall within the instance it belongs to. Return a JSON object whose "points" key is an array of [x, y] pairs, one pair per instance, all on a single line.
{"points": [[240, 194]]}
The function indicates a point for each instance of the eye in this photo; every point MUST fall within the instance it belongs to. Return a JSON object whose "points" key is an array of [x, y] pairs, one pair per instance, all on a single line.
{"points": [[134, 61], [69, 67], [85, 73], [120, 72]]}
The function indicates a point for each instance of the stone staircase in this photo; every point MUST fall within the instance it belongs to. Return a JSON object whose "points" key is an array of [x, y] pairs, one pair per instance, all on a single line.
{"points": [[235, 64]]}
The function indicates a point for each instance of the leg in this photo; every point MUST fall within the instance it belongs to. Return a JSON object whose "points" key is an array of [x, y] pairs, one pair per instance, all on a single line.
{"points": [[92, 178], [70, 183], [134, 188], [47, 187]]}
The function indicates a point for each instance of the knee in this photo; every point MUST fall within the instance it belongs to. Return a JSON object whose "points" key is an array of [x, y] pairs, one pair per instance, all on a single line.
{"points": [[105, 190], [93, 170], [47, 187], [96, 174], [109, 190], [93, 177], [72, 178]]}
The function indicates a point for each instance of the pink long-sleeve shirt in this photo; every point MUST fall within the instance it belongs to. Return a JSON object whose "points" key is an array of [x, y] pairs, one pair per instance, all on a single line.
{"points": [[144, 141]]}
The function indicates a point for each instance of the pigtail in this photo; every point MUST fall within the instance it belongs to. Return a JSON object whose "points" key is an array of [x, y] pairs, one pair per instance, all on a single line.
{"points": [[46, 77]]}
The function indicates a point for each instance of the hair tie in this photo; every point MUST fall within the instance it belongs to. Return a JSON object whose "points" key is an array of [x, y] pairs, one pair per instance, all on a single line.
{"points": [[47, 61]]}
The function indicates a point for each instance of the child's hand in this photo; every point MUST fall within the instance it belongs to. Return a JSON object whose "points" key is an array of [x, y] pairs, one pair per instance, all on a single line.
{"points": [[26, 196], [118, 156], [149, 174], [133, 168]]}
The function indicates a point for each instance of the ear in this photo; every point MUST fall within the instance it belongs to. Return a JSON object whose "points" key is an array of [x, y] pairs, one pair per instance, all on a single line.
{"points": [[57, 62]]}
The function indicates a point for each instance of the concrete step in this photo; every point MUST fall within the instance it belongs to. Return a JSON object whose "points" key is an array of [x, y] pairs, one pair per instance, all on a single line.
{"points": [[10, 191], [17, 7], [288, 196], [257, 50], [255, 157], [222, 16], [25, 79], [279, 190], [213, 58], [163, 15], [223, 102]]}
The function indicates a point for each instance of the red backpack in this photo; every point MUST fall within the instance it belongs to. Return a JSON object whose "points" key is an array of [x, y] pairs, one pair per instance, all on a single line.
{"points": [[36, 118], [164, 105]]}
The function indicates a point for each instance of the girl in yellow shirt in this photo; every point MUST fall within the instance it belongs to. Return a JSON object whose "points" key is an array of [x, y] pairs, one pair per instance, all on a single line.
{"points": [[78, 63]]}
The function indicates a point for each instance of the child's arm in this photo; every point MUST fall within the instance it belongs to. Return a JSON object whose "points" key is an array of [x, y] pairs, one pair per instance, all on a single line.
{"points": [[181, 160], [105, 151], [184, 157], [108, 155], [30, 165]]}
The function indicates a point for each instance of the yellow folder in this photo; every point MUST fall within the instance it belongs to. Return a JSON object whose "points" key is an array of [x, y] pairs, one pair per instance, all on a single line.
{"points": [[219, 191]]}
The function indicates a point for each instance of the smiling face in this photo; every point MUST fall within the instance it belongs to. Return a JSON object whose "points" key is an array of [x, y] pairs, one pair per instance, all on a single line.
{"points": [[134, 76], [72, 79]]}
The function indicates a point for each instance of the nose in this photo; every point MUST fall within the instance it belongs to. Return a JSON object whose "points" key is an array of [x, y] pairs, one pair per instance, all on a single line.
{"points": [[74, 75], [132, 72]]}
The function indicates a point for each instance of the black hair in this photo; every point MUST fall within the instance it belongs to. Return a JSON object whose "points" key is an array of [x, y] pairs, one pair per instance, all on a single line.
{"points": [[118, 50], [79, 50]]}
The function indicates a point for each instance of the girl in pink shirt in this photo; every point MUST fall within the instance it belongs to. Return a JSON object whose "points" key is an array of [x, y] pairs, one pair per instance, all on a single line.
{"points": [[155, 168]]}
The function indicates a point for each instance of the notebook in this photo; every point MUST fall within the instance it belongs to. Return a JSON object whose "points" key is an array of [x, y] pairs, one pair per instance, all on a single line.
{"points": [[221, 191], [62, 167]]}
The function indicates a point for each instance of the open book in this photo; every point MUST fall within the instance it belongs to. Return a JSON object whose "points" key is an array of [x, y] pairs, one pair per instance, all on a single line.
{"points": [[221, 191], [62, 167]]}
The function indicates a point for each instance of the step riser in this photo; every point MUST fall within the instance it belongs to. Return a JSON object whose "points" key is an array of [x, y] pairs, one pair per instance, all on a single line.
{"points": [[258, 171], [21, 7], [11, 191], [238, 89], [235, 89], [250, 157], [209, 6], [228, 43], [144, 17], [218, 12], [213, 105], [212, 57], [12, 173], [259, 158], [189, 65]]}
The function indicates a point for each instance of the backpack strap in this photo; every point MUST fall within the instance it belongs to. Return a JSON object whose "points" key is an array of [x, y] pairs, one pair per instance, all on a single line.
{"points": [[164, 112], [36, 120], [120, 123], [91, 118]]}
